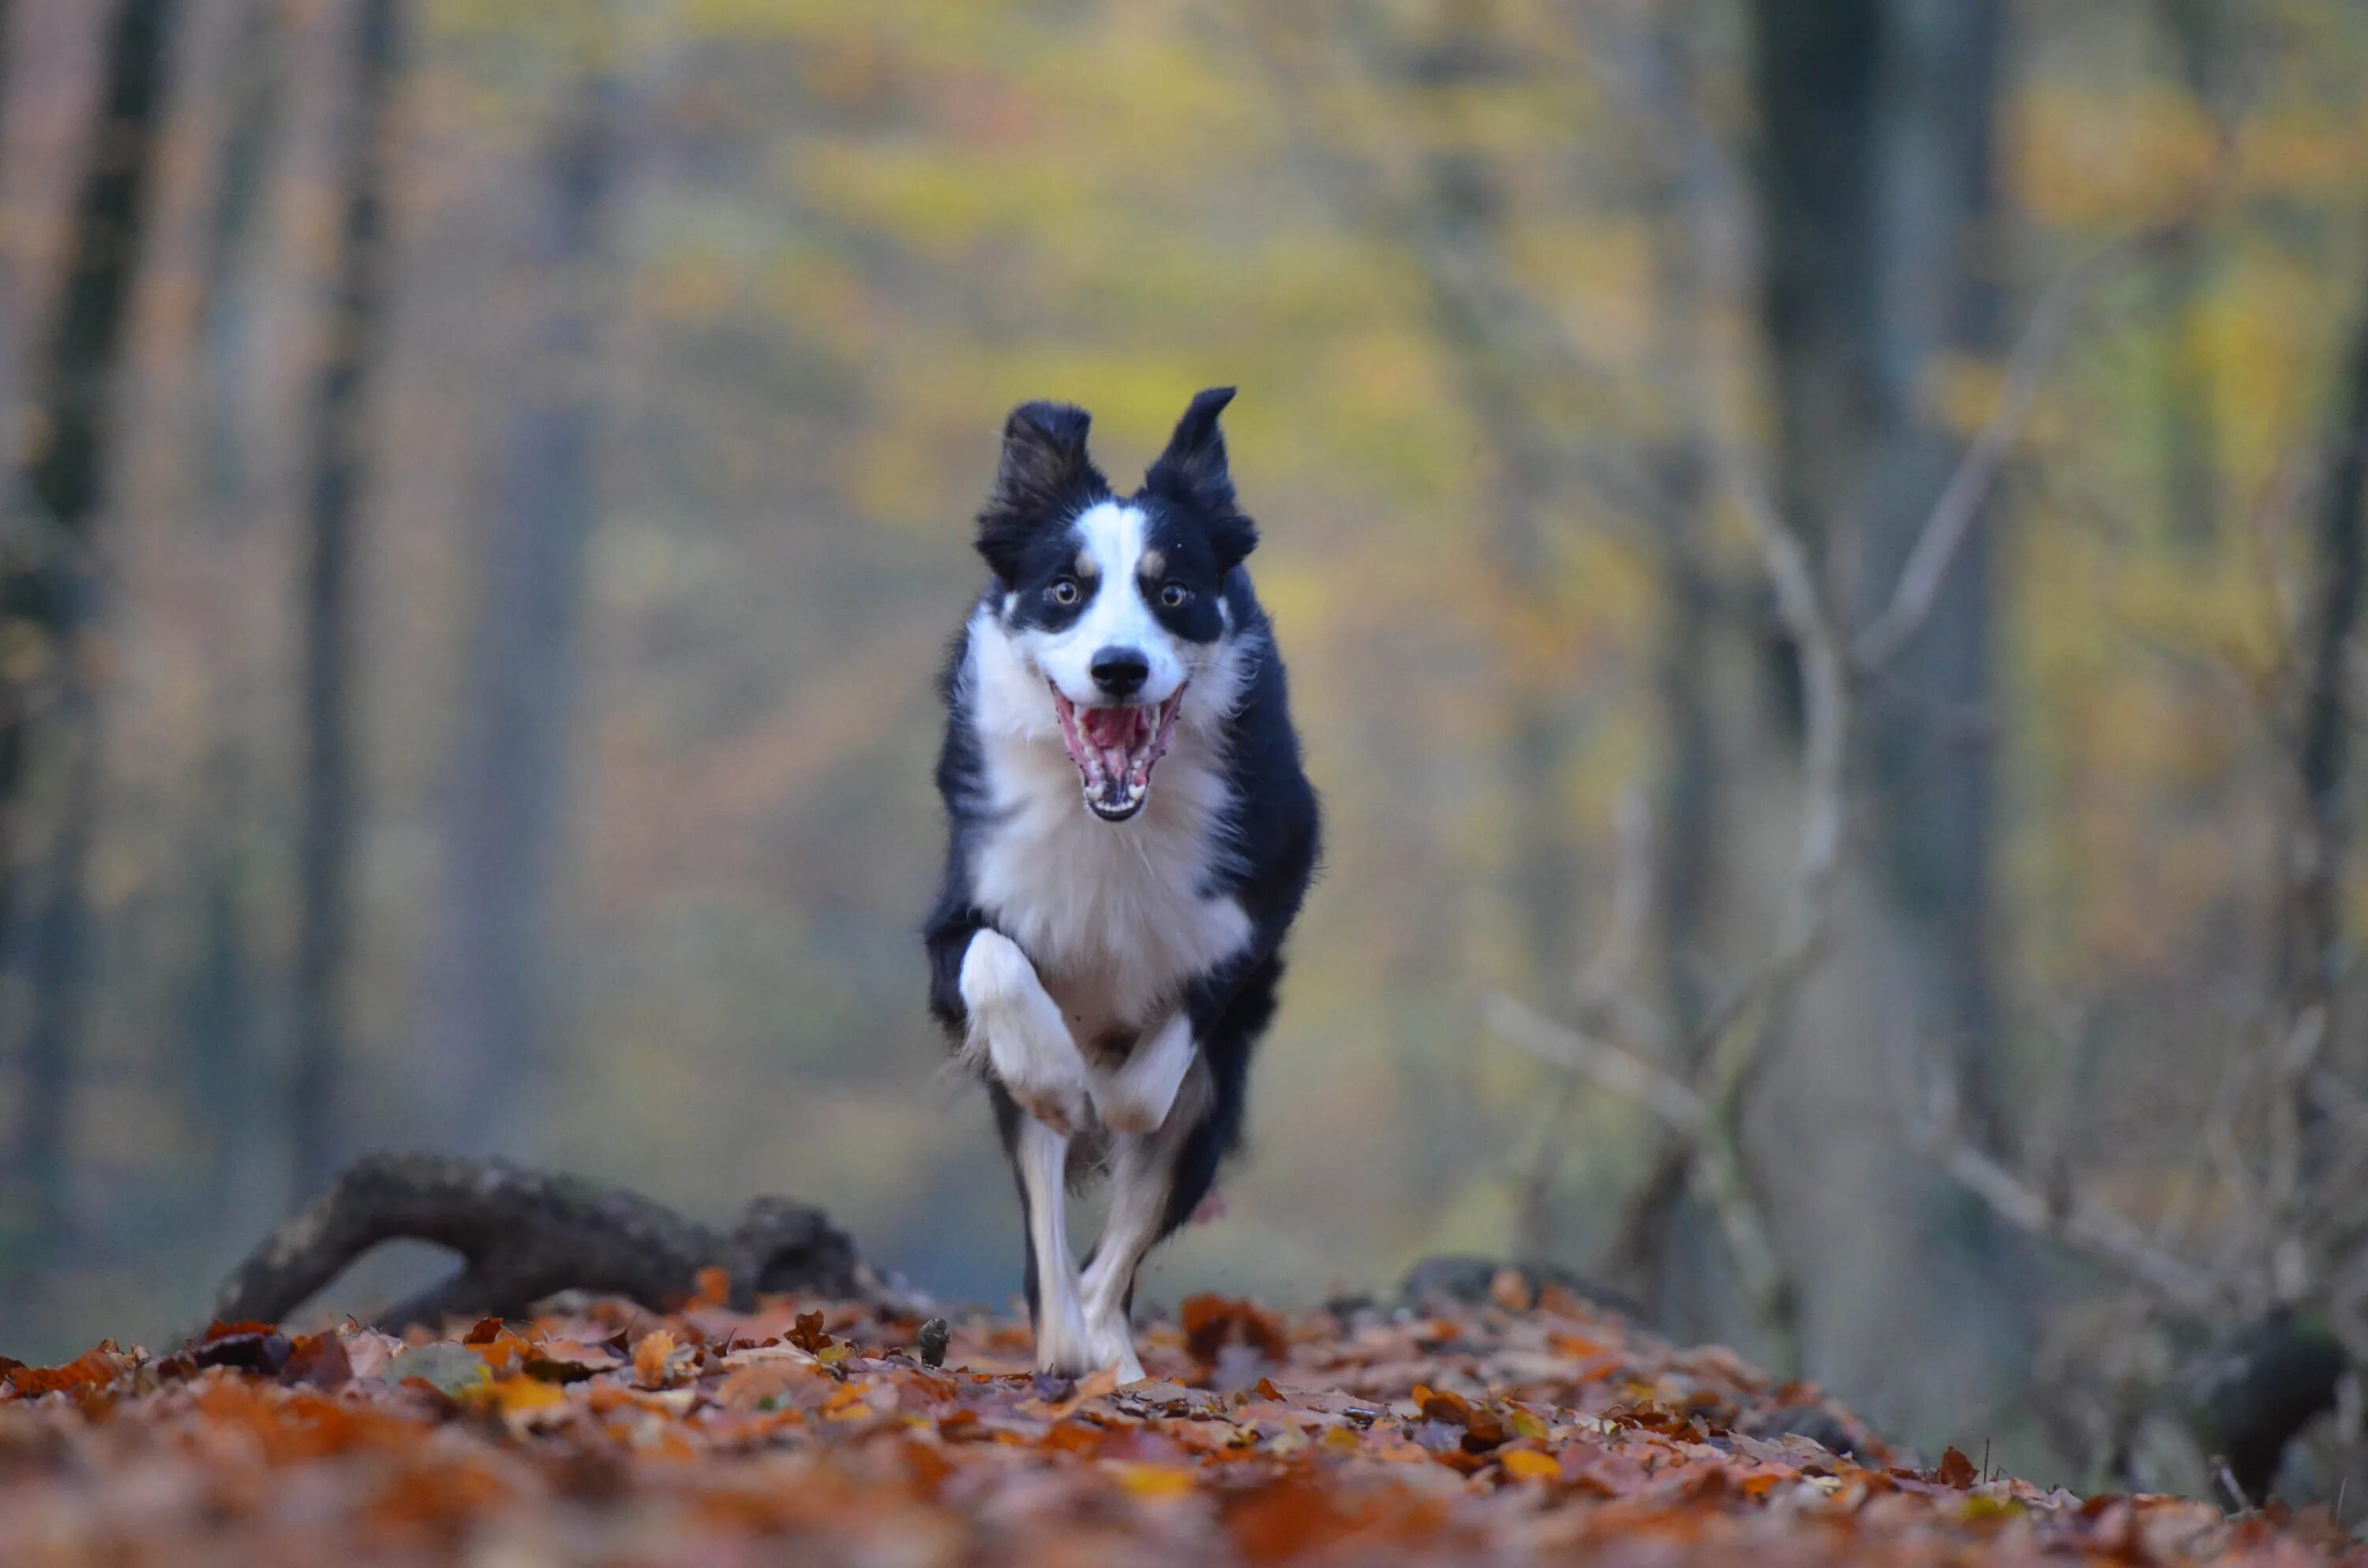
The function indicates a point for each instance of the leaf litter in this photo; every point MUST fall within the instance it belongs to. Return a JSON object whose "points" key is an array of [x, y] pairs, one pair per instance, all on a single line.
{"points": [[1515, 1430]]}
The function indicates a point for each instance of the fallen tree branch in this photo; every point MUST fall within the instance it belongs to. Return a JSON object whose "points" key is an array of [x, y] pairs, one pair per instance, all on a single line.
{"points": [[525, 1234]]}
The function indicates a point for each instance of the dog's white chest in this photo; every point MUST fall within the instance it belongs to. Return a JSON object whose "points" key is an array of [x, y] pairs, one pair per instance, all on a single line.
{"points": [[1112, 914]]}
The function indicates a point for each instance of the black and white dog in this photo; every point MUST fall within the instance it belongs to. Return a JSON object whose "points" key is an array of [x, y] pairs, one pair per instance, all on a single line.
{"points": [[1104, 953]]}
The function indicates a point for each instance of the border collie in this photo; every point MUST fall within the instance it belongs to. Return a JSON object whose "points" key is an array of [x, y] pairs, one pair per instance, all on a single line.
{"points": [[1130, 837]]}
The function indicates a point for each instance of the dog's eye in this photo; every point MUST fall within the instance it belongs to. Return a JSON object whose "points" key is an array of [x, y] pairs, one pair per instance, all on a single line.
{"points": [[1062, 592], [1175, 596]]}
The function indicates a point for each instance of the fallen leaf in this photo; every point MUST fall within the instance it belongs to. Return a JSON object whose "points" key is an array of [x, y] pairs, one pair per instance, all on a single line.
{"points": [[1213, 1322], [1528, 1464], [448, 1369], [653, 1358], [569, 1360]]}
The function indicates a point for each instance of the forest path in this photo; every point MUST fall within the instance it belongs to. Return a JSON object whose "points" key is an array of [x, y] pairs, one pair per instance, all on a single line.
{"points": [[814, 1431]]}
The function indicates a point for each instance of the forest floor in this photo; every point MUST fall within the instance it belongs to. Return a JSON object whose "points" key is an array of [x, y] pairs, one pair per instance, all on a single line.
{"points": [[814, 1432]]}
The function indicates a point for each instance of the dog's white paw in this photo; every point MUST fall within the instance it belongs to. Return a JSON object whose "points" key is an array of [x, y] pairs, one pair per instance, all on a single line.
{"points": [[1110, 1344], [1051, 1090], [1123, 1110], [1065, 1346], [1138, 1095]]}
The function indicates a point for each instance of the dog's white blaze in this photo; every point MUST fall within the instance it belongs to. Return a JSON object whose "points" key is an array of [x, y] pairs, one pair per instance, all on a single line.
{"points": [[1112, 913], [1118, 616]]}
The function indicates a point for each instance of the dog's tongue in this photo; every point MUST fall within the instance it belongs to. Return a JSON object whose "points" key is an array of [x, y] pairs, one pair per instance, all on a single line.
{"points": [[1114, 733], [1116, 748]]}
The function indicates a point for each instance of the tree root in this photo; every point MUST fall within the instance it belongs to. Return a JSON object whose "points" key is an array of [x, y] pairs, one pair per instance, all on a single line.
{"points": [[525, 1234]]}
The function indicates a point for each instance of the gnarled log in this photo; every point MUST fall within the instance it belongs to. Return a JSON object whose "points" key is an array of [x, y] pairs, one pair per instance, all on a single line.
{"points": [[524, 1234]]}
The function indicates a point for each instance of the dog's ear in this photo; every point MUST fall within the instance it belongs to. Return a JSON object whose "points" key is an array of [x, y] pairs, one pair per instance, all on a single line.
{"points": [[1193, 471], [1044, 477]]}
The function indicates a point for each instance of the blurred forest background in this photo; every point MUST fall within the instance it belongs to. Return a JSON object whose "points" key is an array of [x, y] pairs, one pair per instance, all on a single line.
{"points": [[1819, 545]]}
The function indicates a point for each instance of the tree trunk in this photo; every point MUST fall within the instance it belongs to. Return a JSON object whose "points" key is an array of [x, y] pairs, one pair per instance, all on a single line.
{"points": [[506, 805], [1465, 211], [257, 91], [1927, 749], [1815, 74], [219, 1015], [1680, 1263], [326, 851], [217, 1000], [48, 585], [1876, 192], [2313, 953]]}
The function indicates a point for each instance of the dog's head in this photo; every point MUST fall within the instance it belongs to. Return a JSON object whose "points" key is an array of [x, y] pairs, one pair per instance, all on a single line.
{"points": [[1117, 602]]}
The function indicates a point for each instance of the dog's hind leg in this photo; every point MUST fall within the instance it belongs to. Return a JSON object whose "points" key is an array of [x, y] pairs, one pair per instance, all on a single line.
{"points": [[1143, 1169], [1041, 1156]]}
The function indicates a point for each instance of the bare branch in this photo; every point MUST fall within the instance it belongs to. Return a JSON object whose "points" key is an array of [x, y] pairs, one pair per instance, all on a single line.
{"points": [[2079, 1222], [1605, 984], [1511, 342], [1952, 516], [1708, 1132], [1623, 1072]]}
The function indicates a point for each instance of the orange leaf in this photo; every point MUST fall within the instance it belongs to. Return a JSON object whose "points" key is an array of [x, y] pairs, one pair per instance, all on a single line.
{"points": [[1528, 1464], [1212, 1322], [522, 1395], [929, 1466], [651, 1357], [1156, 1480], [220, 1330], [91, 1370], [1956, 1470]]}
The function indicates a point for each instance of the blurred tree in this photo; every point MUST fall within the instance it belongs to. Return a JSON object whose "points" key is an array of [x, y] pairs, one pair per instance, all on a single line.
{"points": [[1882, 255], [218, 1014], [339, 443], [505, 804], [1665, 1240], [2190, 430], [49, 578], [257, 90], [2314, 953]]}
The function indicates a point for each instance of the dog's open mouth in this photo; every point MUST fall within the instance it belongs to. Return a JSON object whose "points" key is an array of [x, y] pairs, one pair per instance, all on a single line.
{"points": [[1115, 750]]}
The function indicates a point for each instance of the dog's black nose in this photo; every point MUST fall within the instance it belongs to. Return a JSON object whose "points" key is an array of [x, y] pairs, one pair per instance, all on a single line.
{"points": [[1119, 671]]}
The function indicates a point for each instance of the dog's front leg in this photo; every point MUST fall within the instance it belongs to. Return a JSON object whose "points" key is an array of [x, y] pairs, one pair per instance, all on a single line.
{"points": [[1137, 1095], [1062, 1343], [1017, 1030]]}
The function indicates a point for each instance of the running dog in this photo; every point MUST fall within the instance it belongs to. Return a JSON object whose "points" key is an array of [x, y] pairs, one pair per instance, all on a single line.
{"points": [[1104, 953]]}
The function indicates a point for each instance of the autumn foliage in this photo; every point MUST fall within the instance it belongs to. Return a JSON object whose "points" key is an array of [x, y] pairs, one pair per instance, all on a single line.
{"points": [[816, 1432]]}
